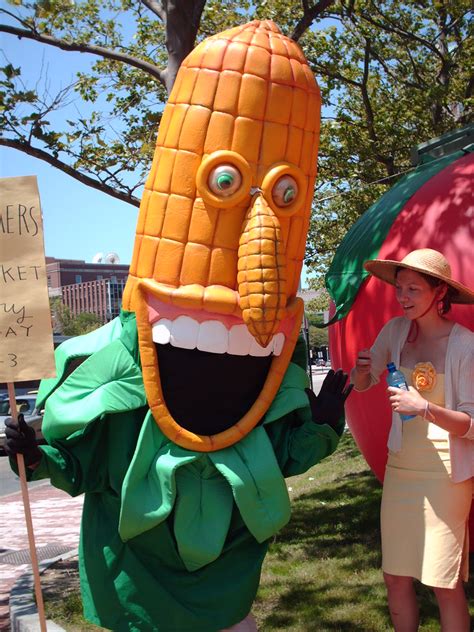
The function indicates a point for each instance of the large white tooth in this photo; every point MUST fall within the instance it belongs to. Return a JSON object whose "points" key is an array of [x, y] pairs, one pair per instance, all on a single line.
{"points": [[161, 331], [257, 350], [278, 342], [213, 337], [184, 333], [240, 340]]}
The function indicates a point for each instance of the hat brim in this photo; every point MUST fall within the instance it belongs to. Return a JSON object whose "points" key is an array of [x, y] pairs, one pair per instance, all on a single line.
{"points": [[385, 269]]}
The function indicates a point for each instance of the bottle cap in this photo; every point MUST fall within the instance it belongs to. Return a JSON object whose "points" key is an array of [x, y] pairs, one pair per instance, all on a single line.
{"points": [[391, 366]]}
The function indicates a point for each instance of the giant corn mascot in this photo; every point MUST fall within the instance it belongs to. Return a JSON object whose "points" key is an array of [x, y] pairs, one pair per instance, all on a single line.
{"points": [[190, 409]]}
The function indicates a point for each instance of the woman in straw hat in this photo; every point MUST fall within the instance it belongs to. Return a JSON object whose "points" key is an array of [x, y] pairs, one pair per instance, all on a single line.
{"points": [[428, 480]]}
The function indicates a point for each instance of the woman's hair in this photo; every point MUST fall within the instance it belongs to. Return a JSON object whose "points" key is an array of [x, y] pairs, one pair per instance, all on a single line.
{"points": [[434, 282]]}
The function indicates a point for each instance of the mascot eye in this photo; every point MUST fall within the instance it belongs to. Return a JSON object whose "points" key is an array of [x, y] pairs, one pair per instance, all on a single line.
{"points": [[224, 180], [285, 191]]}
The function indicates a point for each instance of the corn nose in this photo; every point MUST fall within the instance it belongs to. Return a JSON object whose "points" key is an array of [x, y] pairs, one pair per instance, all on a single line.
{"points": [[261, 272]]}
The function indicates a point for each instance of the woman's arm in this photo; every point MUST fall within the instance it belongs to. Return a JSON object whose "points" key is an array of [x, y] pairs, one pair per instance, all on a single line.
{"points": [[454, 421], [457, 422], [411, 402], [370, 363]]}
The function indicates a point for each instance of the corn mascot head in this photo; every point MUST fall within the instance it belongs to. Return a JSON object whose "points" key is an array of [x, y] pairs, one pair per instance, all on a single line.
{"points": [[222, 229]]}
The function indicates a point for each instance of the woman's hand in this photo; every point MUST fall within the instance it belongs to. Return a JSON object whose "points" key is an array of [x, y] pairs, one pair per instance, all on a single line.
{"points": [[406, 402], [360, 374], [363, 363]]}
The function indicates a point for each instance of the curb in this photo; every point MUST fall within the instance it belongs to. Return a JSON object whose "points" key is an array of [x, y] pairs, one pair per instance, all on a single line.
{"points": [[23, 611]]}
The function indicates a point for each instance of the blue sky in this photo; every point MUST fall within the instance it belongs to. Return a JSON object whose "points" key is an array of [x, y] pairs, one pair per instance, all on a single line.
{"points": [[78, 221]]}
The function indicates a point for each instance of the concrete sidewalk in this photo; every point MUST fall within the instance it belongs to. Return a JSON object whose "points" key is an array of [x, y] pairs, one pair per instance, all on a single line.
{"points": [[56, 521]]}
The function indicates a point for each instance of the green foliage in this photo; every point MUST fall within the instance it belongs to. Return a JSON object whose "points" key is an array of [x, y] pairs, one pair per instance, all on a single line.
{"points": [[82, 324], [67, 324], [320, 303], [318, 337], [392, 75]]}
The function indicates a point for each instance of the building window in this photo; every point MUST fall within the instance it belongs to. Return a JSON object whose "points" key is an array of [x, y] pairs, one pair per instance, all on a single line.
{"points": [[113, 279], [78, 278], [100, 277], [49, 280]]}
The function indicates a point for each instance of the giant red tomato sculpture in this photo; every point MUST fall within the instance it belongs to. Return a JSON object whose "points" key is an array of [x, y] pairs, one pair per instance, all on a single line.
{"points": [[432, 207]]}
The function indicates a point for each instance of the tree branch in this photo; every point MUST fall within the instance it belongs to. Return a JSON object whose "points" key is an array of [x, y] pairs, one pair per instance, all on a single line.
{"points": [[309, 15], [386, 160], [392, 27], [323, 70], [414, 67], [36, 152], [365, 95], [86, 48], [182, 24], [452, 24], [411, 84], [156, 8], [16, 17], [469, 92]]}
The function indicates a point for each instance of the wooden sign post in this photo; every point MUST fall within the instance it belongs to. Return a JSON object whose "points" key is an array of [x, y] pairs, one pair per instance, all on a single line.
{"points": [[26, 340]]}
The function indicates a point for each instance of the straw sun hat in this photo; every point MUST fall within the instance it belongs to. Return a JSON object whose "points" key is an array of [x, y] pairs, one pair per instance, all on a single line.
{"points": [[426, 261]]}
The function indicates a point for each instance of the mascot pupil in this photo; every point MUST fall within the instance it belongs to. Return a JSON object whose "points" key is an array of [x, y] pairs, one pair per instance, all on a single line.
{"points": [[188, 411]]}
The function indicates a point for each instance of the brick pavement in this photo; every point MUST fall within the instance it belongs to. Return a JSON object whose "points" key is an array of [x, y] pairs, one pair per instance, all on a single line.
{"points": [[56, 521]]}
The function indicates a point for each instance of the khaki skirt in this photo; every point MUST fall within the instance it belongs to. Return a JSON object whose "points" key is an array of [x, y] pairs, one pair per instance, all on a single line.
{"points": [[424, 525]]}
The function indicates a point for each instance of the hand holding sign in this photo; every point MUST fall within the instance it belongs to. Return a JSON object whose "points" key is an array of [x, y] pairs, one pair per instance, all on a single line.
{"points": [[26, 341]]}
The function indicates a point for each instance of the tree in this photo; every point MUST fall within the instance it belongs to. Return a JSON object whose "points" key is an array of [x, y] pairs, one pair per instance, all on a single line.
{"points": [[392, 74], [135, 63], [314, 312], [67, 324], [320, 303], [395, 74], [318, 337]]}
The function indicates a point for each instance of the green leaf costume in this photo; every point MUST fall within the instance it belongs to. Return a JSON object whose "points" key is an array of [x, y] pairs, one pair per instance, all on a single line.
{"points": [[171, 540]]}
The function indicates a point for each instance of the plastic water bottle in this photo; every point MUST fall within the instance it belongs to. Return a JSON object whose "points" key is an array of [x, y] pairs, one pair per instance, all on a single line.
{"points": [[397, 379]]}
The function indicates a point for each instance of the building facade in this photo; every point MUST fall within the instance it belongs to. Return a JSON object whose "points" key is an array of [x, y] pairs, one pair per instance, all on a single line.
{"points": [[96, 288], [102, 298], [61, 272]]}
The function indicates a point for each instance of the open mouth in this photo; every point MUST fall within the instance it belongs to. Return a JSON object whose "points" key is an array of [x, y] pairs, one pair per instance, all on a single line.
{"points": [[211, 368], [208, 381], [207, 393]]}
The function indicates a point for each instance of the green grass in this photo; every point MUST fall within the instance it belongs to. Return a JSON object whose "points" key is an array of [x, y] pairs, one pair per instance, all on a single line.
{"points": [[67, 613], [322, 572]]}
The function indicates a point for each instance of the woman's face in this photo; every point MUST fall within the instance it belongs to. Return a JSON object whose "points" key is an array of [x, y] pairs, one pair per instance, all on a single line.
{"points": [[414, 293]]}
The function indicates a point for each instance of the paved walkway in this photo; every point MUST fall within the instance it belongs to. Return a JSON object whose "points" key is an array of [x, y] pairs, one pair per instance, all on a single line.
{"points": [[56, 520]]}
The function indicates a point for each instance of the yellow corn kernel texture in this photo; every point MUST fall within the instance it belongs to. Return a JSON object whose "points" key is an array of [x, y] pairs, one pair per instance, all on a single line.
{"points": [[261, 273], [251, 91]]}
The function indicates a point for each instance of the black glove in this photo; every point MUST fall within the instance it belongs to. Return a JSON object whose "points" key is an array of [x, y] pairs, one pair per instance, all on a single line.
{"points": [[21, 439], [328, 406]]}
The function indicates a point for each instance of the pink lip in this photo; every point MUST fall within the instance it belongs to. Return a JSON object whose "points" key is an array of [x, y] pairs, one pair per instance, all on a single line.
{"points": [[157, 310]]}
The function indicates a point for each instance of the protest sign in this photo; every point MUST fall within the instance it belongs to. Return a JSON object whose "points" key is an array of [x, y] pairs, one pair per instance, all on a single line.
{"points": [[26, 339]]}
